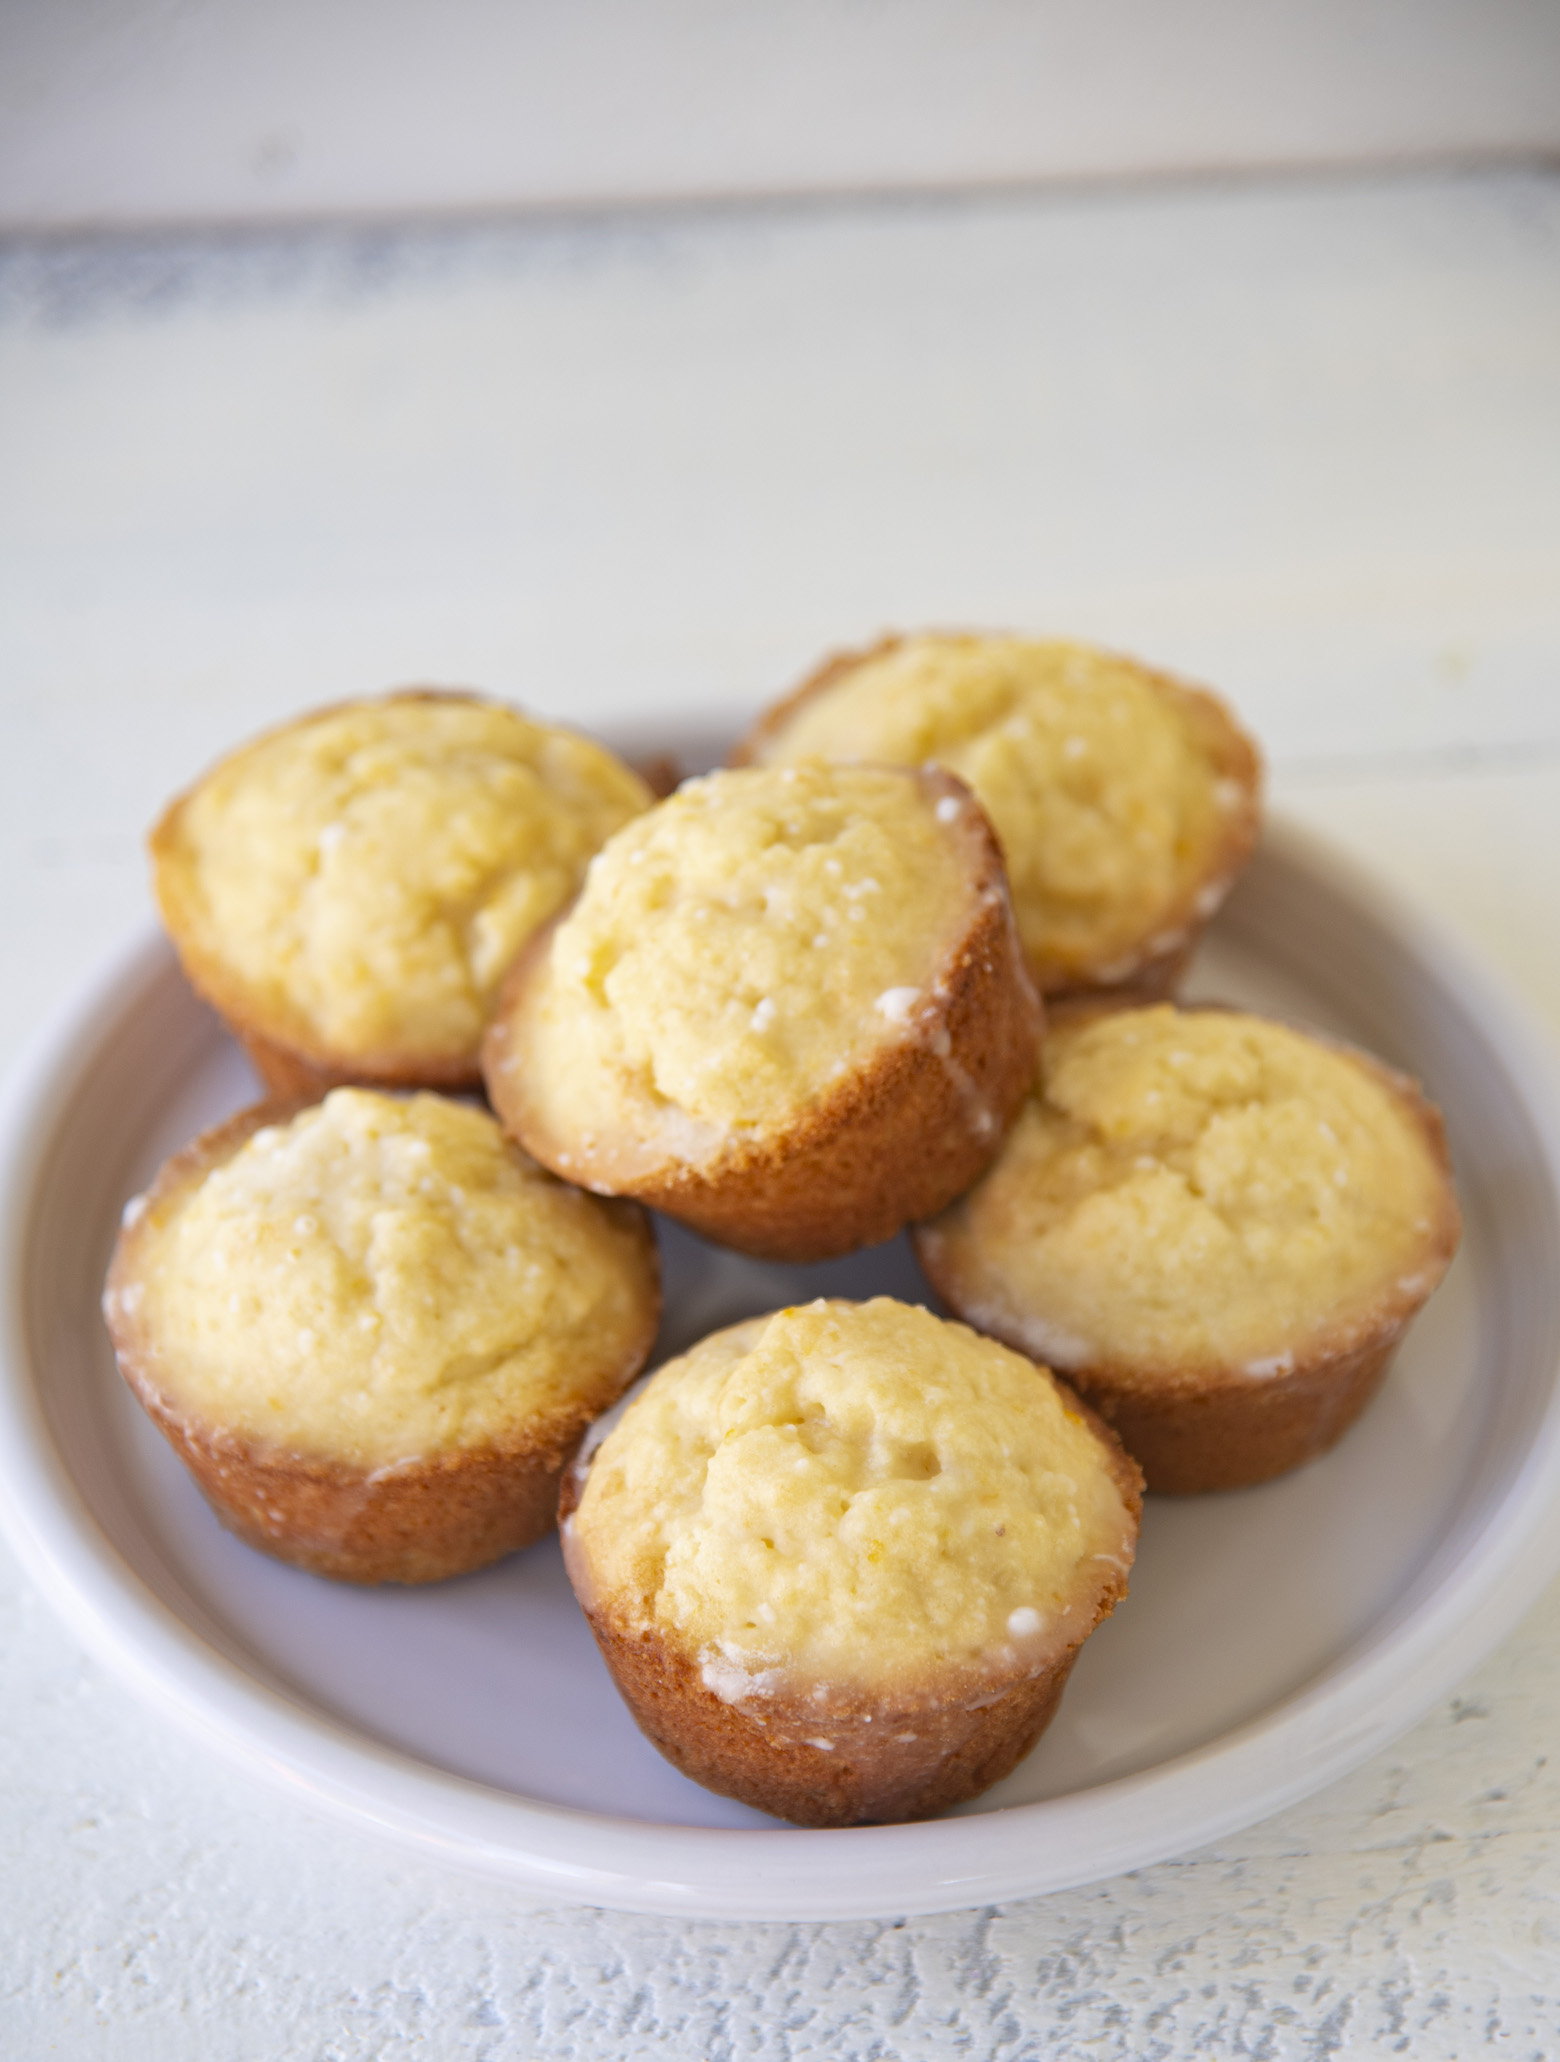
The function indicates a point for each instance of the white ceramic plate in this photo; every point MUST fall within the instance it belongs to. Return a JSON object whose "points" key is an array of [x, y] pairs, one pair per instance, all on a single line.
{"points": [[1273, 1638]]}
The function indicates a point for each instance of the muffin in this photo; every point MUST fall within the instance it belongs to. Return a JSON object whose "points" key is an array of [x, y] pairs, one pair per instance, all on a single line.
{"points": [[1217, 1227], [348, 891], [375, 1332], [1125, 802], [789, 1008], [840, 1560]]}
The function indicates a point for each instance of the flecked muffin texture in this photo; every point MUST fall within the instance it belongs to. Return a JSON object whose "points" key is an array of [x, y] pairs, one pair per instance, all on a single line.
{"points": [[748, 942], [789, 1007], [382, 1279], [853, 1496], [354, 886], [1200, 1191], [1124, 801]]}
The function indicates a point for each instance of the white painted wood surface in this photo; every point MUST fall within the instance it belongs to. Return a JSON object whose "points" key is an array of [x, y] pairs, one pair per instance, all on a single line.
{"points": [[1304, 441], [129, 111]]}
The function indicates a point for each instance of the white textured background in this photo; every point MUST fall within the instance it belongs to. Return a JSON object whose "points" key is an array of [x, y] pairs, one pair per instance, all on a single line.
{"points": [[129, 111], [163, 1911], [1301, 439]]}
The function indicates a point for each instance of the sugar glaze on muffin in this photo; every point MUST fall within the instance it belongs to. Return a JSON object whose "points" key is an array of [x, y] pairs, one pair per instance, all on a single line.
{"points": [[1125, 802], [841, 1558], [786, 1004], [343, 1314], [1200, 1204], [350, 889]]}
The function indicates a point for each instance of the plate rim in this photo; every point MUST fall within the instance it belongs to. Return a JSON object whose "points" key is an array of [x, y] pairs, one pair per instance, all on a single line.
{"points": [[1375, 1690]]}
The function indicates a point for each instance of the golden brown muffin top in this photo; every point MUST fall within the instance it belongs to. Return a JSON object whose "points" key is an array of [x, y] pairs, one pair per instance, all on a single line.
{"points": [[853, 1494], [743, 946], [380, 1279], [1124, 802], [1200, 1190], [355, 884]]}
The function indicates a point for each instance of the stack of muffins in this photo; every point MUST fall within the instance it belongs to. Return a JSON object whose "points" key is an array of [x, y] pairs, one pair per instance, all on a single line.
{"points": [[839, 1559]]}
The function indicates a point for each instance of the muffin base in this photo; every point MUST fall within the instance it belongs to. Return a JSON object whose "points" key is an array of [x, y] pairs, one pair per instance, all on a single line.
{"points": [[419, 1521], [1238, 1431], [1156, 977], [765, 1754], [294, 1076]]}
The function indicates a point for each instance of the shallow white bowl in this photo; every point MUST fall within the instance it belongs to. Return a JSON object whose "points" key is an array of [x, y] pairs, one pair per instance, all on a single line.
{"points": [[1273, 1638]]}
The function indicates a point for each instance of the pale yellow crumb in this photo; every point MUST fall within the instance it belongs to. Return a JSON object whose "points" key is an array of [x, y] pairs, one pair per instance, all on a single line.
{"points": [[857, 1494], [742, 946], [1102, 794], [1193, 1189], [383, 1279], [365, 877]]}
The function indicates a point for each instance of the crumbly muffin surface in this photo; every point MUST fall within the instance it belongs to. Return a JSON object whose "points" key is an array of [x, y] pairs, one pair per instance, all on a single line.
{"points": [[745, 944], [1102, 793], [382, 1279], [366, 876], [1196, 1189], [854, 1494]]}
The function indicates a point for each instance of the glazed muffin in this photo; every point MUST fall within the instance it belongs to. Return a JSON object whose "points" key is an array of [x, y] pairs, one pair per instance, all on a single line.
{"points": [[1217, 1227], [788, 1008], [1125, 802], [374, 1331], [349, 890], [840, 1560]]}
